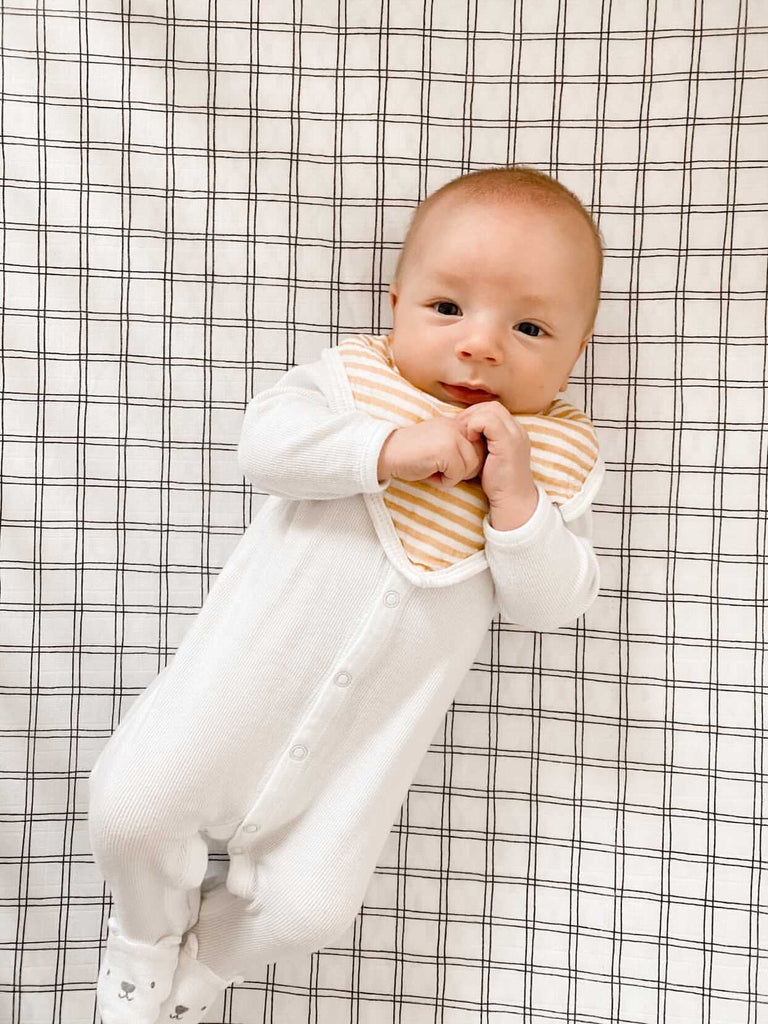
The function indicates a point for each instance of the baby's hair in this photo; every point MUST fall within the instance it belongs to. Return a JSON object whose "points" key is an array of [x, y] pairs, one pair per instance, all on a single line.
{"points": [[516, 182]]}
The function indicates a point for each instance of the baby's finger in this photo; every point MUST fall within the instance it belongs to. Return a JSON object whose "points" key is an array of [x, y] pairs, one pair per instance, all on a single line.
{"points": [[473, 454], [465, 426], [470, 432]]}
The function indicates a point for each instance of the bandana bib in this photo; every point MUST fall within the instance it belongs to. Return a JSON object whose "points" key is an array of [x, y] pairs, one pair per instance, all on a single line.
{"points": [[438, 528]]}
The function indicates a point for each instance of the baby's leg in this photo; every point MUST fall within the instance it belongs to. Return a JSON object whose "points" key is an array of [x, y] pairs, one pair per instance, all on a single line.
{"points": [[311, 880], [145, 839]]}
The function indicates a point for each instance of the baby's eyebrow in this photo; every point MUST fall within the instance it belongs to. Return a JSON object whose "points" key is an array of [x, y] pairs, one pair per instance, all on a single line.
{"points": [[447, 277]]}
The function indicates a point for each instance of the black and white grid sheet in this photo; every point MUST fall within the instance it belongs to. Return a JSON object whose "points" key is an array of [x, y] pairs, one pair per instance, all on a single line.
{"points": [[198, 196]]}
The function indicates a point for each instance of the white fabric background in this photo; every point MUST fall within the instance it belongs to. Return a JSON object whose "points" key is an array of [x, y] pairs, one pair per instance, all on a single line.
{"points": [[197, 197]]}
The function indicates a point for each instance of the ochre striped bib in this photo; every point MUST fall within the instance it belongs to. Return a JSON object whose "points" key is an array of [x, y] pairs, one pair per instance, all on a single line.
{"points": [[438, 528]]}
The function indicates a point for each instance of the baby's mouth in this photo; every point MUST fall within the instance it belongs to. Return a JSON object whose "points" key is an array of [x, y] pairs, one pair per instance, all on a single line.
{"points": [[469, 395]]}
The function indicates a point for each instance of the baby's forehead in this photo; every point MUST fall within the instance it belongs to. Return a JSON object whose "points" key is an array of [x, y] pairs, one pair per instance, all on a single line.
{"points": [[572, 228], [526, 205]]}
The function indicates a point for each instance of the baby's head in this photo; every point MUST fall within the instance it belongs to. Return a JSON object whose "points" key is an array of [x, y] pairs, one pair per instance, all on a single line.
{"points": [[498, 283]]}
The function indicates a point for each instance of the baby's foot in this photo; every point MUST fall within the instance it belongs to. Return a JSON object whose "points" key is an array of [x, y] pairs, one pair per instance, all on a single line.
{"points": [[135, 977], [194, 988]]}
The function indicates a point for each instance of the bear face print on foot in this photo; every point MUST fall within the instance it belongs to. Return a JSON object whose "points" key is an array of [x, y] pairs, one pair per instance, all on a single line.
{"points": [[135, 977], [194, 989]]}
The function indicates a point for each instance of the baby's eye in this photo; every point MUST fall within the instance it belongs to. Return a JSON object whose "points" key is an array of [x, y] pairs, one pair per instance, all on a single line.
{"points": [[526, 327], [446, 303]]}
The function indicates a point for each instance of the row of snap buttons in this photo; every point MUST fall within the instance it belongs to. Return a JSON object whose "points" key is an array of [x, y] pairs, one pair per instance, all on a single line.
{"points": [[299, 751]]}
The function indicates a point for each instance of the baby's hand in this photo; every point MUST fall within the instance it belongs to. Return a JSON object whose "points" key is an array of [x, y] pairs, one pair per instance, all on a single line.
{"points": [[436, 450], [507, 476]]}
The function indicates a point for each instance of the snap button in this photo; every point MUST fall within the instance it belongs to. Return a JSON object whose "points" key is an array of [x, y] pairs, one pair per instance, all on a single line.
{"points": [[391, 598], [298, 752], [343, 679], [235, 849], [252, 828]]}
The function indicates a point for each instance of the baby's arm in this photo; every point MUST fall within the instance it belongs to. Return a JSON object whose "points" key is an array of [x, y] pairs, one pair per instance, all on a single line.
{"points": [[545, 572], [293, 445]]}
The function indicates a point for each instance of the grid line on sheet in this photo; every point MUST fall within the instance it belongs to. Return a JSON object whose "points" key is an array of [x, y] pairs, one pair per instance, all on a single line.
{"points": [[616, 1008]]}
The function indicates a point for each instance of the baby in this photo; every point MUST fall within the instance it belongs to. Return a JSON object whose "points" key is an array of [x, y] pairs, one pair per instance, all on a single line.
{"points": [[418, 483]]}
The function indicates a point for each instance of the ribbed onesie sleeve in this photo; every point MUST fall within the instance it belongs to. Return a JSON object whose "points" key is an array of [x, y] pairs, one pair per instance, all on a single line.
{"points": [[294, 445], [545, 572]]}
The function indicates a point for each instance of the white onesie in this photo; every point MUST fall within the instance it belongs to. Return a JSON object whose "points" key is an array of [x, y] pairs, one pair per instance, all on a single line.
{"points": [[305, 694]]}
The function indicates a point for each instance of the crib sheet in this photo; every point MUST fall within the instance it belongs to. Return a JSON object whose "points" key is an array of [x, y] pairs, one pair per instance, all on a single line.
{"points": [[197, 197]]}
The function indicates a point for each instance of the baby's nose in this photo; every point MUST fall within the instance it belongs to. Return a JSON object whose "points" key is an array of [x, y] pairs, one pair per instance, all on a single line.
{"points": [[486, 339]]}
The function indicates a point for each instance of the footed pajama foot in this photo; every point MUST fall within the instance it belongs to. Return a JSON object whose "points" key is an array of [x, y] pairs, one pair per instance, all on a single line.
{"points": [[135, 977], [194, 988]]}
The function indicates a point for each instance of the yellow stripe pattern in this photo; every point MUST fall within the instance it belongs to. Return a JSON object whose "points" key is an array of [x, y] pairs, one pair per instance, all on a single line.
{"points": [[438, 528]]}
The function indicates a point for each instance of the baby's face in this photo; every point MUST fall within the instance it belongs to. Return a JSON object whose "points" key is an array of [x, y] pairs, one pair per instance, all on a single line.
{"points": [[494, 294]]}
